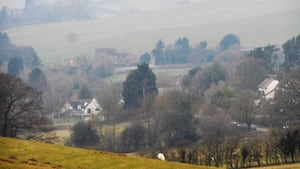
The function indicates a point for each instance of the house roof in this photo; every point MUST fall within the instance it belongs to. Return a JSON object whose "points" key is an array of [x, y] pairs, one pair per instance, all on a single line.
{"points": [[266, 83], [83, 103]]}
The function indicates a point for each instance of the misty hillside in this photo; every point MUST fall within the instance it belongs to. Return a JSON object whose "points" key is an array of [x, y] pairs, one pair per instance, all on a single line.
{"points": [[209, 83], [140, 5], [105, 8], [256, 22]]}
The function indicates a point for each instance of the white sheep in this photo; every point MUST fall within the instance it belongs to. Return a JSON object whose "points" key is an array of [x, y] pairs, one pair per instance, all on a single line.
{"points": [[161, 156]]}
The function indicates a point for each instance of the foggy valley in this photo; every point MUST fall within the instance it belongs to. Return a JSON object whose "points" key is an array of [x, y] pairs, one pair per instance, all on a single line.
{"points": [[155, 83]]}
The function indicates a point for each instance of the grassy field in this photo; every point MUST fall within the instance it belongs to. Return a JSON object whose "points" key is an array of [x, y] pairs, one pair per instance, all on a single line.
{"points": [[284, 166], [256, 22], [62, 135], [20, 154]]}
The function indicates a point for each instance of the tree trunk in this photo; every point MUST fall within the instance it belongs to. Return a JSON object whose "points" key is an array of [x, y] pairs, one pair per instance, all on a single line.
{"points": [[292, 156], [5, 125]]}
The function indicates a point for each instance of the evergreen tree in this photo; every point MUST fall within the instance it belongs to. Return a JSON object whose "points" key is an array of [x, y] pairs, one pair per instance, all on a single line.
{"points": [[83, 135], [15, 66], [84, 93], [145, 58], [291, 50], [158, 52], [182, 50], [4, 39], [267, 55], [37, 79], [203, 44], [29, 56], [3, 15], [228, 41], [139, 83], [6, 49]]}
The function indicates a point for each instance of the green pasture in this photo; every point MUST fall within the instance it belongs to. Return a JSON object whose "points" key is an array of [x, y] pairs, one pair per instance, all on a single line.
{"points": [[283, 166], [20, 154]]}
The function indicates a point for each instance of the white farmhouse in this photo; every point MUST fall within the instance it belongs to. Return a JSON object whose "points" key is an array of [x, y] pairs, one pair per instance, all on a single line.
{"points": [[83, 109], [268, 87]]}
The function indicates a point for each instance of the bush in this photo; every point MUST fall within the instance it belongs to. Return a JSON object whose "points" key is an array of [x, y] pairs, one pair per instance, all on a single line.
{"points": [[83, 135]]}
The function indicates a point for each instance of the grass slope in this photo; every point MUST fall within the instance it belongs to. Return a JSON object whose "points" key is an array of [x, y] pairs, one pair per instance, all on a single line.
{"points": [[256, 22], [284, 166], [16, 154]]}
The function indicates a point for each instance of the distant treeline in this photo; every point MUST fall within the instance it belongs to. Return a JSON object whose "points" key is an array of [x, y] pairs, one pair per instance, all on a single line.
{"points": [[39, 12]]}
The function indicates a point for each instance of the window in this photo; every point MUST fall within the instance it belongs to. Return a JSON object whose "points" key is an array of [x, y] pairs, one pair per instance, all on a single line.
{"points": [[97, 109], [89, 111]]}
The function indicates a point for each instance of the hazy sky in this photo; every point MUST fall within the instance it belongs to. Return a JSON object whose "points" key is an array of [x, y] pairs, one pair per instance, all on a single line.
{"points": [[12, 3], [137, 4]]}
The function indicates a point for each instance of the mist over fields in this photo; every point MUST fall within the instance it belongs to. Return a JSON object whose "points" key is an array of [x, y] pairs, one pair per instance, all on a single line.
{"points": [[256, 22], [208, 83]]}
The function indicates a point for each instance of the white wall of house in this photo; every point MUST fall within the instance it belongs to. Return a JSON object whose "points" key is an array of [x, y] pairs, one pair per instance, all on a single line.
{"points": [[270, 90], [93, 108], [66, 107]]}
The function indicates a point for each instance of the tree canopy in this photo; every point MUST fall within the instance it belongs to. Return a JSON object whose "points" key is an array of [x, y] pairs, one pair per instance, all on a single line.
{"points": [[133, 138], [200, 80], [140, 83], [84, 92], [250, 73], [228, 41], [20, 106], [15, 66], [181, 50], [291, 50], [178, 123], [203, 44], [267, 55], [158, 52], [145, 58], [9, 51], [287, 98], [172, 54], [37, 79], [83, 134]]}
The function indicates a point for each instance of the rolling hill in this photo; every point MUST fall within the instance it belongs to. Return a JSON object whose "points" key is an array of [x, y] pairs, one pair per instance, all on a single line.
{"points": [[256, 22], [20, 154]]}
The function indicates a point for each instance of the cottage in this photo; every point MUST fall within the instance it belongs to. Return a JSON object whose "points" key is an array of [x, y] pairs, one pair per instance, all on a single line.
{"points": [[268, 87], [83, 109]]}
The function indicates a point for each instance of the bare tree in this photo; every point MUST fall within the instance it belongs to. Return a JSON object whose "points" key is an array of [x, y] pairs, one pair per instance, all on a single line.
{"points": [[245, 108], [20, 106], [250, 73]]}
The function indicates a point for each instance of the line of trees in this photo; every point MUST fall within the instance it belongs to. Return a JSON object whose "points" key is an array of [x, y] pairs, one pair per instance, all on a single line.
{"points": [[22, 108], [235, 150], [182, 53], [40, 12]]}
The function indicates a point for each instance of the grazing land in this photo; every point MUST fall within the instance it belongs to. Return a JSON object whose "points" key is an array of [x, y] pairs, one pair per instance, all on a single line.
{"points": [[16, 154], [285, 166]]}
